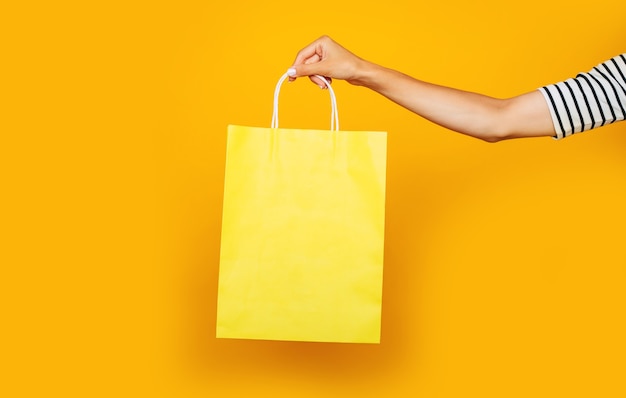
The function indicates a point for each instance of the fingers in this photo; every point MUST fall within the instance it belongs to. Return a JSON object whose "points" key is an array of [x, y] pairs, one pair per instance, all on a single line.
{"points": [[320, 82], [311, 67], [315, 48], [306, 53], [310, 61], [305, 70], [315, 58], [312, 70]]}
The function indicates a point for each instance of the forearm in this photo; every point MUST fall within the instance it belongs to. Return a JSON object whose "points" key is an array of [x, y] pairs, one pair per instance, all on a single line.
{"points": [[469, 113], [473, 114]]}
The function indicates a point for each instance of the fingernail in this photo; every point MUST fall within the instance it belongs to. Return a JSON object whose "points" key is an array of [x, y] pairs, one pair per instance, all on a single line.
{"points": [[322, 86], [291, 72]]}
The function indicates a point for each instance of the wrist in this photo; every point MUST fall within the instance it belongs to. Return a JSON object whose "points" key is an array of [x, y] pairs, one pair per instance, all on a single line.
{"points": [[366, 74]]}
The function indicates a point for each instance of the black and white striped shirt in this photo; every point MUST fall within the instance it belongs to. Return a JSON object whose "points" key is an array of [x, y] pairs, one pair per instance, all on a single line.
{"points": [[590, 100]]}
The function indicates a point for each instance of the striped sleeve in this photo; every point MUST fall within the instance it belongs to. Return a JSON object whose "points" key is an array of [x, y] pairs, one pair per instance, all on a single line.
{"points": [[590, 100]]}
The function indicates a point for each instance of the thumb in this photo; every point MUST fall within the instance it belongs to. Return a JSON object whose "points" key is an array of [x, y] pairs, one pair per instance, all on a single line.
{"points": [[304, 70], [308, 70]]}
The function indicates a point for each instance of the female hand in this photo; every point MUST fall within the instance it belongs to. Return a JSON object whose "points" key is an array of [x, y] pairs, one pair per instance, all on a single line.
{"points": [[327, 58]]}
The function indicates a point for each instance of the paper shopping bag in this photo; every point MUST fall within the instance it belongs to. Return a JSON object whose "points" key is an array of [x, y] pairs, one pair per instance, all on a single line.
{"points": [[302, 234]]}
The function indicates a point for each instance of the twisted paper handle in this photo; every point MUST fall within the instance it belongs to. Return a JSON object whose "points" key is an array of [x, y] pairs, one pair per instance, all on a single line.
{"points": [[334, 116]]}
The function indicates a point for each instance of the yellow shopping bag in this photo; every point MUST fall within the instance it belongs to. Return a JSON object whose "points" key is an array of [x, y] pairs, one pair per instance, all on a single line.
{"points": [[302, 233]]}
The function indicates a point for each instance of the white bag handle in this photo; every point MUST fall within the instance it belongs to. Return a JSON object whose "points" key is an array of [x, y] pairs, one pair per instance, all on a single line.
{"points": [[334, 116]]}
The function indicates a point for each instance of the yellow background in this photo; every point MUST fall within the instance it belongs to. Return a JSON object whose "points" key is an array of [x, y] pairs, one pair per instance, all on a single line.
{"points": [[504, 264]]}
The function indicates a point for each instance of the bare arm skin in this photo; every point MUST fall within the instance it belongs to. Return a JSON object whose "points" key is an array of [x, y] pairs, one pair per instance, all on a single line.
{"points": [[473, 114]]}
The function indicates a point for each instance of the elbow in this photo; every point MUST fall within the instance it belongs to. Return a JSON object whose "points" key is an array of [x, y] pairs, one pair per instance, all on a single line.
{"points": [[500, 124], [494, 131], [496, 135], [493, 139], [491, 130]]}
